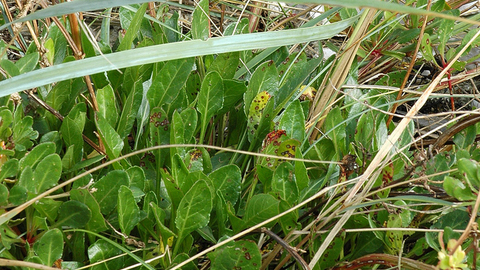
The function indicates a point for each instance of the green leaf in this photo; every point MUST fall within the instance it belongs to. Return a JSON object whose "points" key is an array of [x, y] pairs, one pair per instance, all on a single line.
{"points": [[457, 189], [111, 140], [233, 93], [445, 32], [97, 222], [227, 181], [26, 180], [133, 28], [200, 21], [128, 211], [239, 255], [3, 195], [260, 208], [284, 183], [167, 83], [48, 208], [102, 250], [72, 135], [47, 173], [293, 121], [38, 153], [9, 169], [10, 68], [28, 62], [130, 110], [73, 214], [49, 247], [226, 64], [159, 128], [194, 210], [469, 168], [210, 99], [18, 195], [106, 189], [106, 105]]}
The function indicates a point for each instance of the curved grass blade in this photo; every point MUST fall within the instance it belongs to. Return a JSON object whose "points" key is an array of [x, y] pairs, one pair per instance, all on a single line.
{"points": [[167, 52]]}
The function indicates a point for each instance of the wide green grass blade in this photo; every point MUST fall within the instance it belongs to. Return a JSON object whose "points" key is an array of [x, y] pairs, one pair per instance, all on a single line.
{"points": [[170, 51]]}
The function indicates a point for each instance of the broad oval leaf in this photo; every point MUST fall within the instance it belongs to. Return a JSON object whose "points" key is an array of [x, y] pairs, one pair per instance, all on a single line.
{"points": [[239, 255], [260, 208], [37, 154], [210, 99], [73, 214], [97, 221], [128, 211], [227, 180], [106, 189], [293, 121], [49, 247], [194, 209], [47, 173]]}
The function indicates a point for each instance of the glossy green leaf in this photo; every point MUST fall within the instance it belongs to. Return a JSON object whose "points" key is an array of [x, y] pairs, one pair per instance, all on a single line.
{"points": [[128, 212], [159, 128], [200, 21], [260, 208], [445, 32], [226, 64], [293, 121], [458, 219], [238, 255], [335, 129], [106, 189], [37, 154], [130, 110], [210, 99], [102, 250], [167, 83], [18, 195], [7, 118], [97, 221], [264, 79], [73, 214], [233, 93], [137, 177], [457, 189], [3, 195], [48, 208], [470, 169], [227, 180], [26, 180], [28, 62], [10, 68], [72, 129], [194, 209], [111, 140], [107, 107], [47, 173], [133, 28], [49, 247], [9, 169], [284, 182]]}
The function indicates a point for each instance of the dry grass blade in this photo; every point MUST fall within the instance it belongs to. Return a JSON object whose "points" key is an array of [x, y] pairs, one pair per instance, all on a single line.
{"points": [[379, 158], [339, 74]]}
